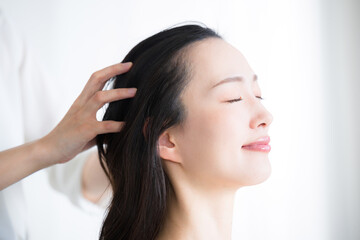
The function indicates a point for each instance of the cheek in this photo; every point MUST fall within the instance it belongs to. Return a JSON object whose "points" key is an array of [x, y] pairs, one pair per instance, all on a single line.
{"points": [[212, 140], [211, 148]]}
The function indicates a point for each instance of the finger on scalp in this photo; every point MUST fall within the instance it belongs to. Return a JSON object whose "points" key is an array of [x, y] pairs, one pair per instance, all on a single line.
{"points": [[99, 78], [114, 95], [110, 126], [102, 97]]}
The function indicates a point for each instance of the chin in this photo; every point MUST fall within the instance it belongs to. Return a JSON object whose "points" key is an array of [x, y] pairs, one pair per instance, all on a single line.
{"points": [[262, 175], [256, 176]]}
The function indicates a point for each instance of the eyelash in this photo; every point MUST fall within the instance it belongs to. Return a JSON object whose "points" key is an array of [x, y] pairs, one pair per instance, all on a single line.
{"points": [[239, 99]]}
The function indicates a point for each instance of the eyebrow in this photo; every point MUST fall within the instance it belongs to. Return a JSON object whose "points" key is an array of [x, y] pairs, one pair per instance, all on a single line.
{"points": [[234, 79]]}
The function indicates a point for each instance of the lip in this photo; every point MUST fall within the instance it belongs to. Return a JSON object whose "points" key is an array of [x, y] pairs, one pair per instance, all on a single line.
{"points": [[261, 144]]}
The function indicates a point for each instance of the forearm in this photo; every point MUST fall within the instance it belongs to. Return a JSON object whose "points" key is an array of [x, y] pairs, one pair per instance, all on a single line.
{"points": [[95, 183], [19, 162], [75, 133]]}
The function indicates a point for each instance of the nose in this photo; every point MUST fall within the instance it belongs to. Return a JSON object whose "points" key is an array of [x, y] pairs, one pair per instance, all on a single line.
{"points": [[261, 117]]}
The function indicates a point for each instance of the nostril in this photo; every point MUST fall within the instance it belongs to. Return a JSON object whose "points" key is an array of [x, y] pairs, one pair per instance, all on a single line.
{"points": [[262, 124]]}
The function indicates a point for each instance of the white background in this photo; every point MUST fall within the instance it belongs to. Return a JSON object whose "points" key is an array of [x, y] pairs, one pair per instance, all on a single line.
{"points": [[306, 54]]}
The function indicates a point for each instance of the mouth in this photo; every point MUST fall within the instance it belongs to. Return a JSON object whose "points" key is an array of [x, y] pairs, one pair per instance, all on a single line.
{"points": [[260, 145]]}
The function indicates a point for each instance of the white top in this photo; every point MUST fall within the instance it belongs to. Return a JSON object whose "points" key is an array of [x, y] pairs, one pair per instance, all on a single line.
{"points": [[26, 114]]}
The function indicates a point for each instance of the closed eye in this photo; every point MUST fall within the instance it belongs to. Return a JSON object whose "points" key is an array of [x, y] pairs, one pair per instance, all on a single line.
{"points": [[234, 100], [239, 99]]}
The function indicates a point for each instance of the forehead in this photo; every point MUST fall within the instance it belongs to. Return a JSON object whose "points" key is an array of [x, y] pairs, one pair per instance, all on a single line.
{"points": [[213, 60]]}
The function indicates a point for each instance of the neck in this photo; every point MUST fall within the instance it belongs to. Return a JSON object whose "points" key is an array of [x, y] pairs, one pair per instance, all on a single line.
{"points": [[195, 214]]}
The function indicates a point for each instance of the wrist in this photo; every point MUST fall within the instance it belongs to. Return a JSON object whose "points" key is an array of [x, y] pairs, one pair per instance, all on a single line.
{"points": [[45, 153]]}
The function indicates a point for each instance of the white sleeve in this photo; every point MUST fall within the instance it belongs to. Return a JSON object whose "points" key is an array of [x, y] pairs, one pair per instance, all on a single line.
{"points": [[13, 224], [67, 178], [40, 103]]}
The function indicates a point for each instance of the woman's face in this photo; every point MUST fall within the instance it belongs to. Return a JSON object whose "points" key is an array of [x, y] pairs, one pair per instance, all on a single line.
{"points": [[218, 125]]}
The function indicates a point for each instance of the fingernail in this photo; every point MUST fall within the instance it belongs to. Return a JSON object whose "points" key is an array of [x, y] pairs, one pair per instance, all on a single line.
{"points": [[132, 90]]}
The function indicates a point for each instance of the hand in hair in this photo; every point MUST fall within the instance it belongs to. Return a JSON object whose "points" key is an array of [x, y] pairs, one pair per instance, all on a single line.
{"points": [[75, 132]]}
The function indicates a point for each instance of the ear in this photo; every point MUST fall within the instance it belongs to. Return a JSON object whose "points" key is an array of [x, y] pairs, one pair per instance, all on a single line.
{"points": [[168, 149]]}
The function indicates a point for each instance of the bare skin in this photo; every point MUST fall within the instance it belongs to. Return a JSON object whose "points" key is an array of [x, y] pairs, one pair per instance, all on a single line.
{"points": [[204, 157], [74, 133]]}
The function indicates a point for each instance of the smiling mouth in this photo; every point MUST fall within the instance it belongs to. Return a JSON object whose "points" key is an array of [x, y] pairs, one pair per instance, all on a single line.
{"points": [[258, 147]]}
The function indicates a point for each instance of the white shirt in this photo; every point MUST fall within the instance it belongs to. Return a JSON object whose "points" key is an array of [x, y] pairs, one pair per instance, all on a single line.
{"points": [[26, 114]]}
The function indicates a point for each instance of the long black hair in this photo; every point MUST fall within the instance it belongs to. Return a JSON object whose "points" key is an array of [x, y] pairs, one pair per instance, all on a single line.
{"points": [[130, 157]]}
